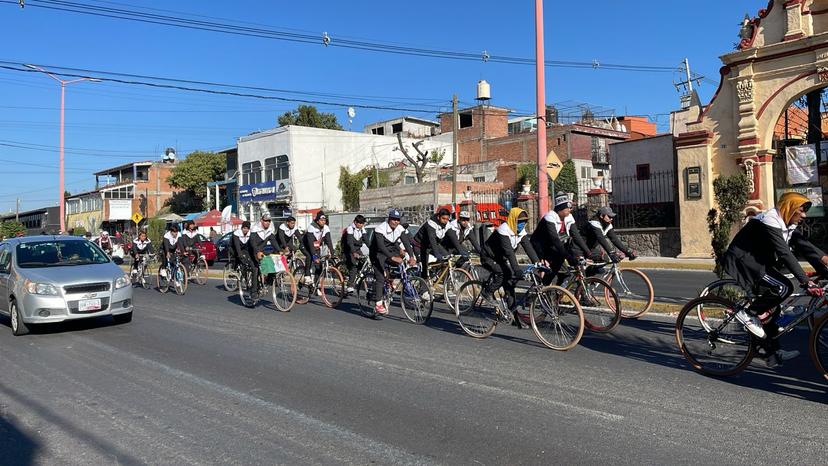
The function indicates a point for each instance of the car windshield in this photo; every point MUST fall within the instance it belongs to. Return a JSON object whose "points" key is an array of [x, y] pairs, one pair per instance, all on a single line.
{"points": [[59, 254]]}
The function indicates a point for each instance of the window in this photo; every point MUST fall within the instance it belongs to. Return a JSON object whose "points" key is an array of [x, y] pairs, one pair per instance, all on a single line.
{"points": [[466, 120], [379, 131], [396, 128], [4, 259], [586, 172], [124, 192], [642, 172], [479, 179], [283, 168], [270, 169], [252, 172], [410, 179]]}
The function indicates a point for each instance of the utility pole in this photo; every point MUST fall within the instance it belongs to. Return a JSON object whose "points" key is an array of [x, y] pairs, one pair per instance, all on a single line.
{"points": [[454, 150], [17, 212], [540, 63]]}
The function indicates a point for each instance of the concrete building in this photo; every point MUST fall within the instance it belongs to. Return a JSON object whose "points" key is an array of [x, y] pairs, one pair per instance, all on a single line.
{"points": [[409, 126], [84, 211], [636, 163], [295, 169], [37, 221]]}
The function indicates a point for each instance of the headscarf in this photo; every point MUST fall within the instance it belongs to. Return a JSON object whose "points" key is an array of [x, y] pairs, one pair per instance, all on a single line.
{"points": [[789, 203], [512, 220]]}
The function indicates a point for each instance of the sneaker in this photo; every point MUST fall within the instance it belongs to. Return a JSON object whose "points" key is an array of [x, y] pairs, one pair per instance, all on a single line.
{"points": [[779, 357], [751, 323], [307, 280], [164, 273], [350, 290], [381, 309]]}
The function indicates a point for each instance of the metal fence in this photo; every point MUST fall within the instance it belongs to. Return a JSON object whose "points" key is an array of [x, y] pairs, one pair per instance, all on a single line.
{"points": [[645, 203]]}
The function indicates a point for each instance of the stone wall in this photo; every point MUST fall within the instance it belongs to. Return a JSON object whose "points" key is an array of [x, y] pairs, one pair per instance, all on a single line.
{"points": [[655, 242]]}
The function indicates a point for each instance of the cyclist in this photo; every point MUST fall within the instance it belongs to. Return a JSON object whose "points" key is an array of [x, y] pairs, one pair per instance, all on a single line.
{"points": [[189, 239], [462, 230], [554, 235], [498, 257], [263, 241], [385, 251], [287, 233], [754, 259], [432, 239], [599, 232], [352, 248], [105, 242], [141, 249], [318, 235], [172, 244]]}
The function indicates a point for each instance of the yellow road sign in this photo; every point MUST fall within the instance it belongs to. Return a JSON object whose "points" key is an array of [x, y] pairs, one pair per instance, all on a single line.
{"points": [[137, 217], [553, 165]]}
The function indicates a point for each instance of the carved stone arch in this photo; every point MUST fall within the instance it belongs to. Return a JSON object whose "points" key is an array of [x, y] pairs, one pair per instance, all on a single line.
{"points": [[772, 109]]}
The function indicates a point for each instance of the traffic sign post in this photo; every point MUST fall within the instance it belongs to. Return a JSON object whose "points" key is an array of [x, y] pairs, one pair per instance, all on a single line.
{"points": [[136, 218]]}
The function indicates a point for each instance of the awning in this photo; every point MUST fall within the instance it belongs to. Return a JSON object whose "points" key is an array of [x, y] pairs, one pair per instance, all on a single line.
{"points": [[171, 217], [213, 219]]}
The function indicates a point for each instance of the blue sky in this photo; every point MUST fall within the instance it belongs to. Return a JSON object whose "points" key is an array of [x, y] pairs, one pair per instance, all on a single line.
{"points": [[108, 124]]}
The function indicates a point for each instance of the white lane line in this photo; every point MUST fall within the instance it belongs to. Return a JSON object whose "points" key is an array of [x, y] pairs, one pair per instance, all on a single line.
{"points": [[496, 391], [342, 436]]}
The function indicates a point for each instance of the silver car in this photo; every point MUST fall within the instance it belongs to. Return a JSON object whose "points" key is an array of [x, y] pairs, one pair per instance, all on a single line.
{"points": [[47, 279]]}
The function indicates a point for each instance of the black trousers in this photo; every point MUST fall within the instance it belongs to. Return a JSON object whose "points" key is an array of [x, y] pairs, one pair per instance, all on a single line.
{"points": [[771, 291], [501, 274], [380, 264]]}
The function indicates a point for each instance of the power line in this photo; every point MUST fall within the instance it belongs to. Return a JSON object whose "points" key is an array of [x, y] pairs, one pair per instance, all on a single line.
{"points": [[318, 39]]}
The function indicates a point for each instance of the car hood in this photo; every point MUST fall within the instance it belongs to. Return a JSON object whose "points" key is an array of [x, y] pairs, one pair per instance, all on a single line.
{"points": [[76, 274]]}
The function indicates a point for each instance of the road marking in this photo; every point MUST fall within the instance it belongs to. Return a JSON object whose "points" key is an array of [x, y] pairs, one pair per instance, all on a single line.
{"points": [[496, 390]]}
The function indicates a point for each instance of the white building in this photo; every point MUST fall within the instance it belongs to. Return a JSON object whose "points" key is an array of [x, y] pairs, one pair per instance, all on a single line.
{"points": [[295, 169], [643, 170], [409, 127]]}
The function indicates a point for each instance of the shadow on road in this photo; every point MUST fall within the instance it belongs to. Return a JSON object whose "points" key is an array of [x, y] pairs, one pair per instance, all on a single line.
{"points": [[66, 327], [17, 448], [654, 342]]}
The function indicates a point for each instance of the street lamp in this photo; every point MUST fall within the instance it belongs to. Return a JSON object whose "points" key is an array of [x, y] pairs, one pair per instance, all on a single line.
{"points": [[63, 84]]}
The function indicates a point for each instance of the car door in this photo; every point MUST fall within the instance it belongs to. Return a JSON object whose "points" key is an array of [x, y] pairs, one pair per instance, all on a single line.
{"points": [[5, 270]]}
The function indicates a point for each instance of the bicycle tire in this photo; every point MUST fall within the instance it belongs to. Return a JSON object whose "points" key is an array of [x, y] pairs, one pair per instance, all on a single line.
{"points": [[598, 302], [416, 300], [556, 318], [230, 277], [365, 299], [303, 290], [180, 285], [725, 288], [297, 268], [818, 346], [453, 281], [476, 315], [283, 291], [637, 301], [245, 289], [145, 282], [200, 271], [163, 282], [733, 345], [332, 284]]}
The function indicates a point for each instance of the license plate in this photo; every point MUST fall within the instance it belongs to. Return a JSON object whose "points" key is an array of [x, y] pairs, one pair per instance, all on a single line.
{"points": [[86, 305]]}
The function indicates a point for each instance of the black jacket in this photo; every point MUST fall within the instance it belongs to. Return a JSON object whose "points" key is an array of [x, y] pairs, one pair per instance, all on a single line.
{"points": [[385, 243], [762, 244], [595, 234], [169, 247], [261, 240], [241, 246], [353, 239], [285, 237], [551, 244], [431, 237], [461, 236], [501, 245], [317, 235]]}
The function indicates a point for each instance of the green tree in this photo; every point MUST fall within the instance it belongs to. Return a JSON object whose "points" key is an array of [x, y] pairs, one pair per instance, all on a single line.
{"points": [[194, 172], [567, 181], [351, 185], [155, 231], [308, 115], [10, 229], [78, 231], [731, 194], [527, 173]]}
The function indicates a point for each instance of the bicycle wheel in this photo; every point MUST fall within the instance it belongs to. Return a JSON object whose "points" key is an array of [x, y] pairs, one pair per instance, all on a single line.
{"points": [[303, 290], [556, 317], [476, 315], [714, 343], [634, 290], [416, 300], [283, 291], [245, 288], [332, 285], [818, 344], [163, 280], [297, 268], [599, 303], [180, 279], [726, 289], [200, 271], [453, 281], [365, 296], [230, 276]]}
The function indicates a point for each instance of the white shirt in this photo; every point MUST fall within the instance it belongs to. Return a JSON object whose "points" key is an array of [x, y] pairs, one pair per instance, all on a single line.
{"points": [[141, 245], [317, 232], [355, 232], [263, 232], [172, 239], [391, 235], [190, 234], [514, 238], [439, 230], [241, 236], [461, 232], [553, 217], [288, 231]]}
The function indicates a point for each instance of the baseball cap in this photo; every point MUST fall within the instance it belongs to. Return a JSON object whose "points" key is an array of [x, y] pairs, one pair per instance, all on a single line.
{"points": [[606, 210], [394, 214], [465, 215]]}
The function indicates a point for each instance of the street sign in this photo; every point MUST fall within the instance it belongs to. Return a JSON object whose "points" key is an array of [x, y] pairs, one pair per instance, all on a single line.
{"points": [[137, 217], [553, 165]]}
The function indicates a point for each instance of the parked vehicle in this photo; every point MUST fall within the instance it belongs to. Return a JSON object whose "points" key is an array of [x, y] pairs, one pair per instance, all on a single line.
{"points": [[222, 245], [207, 248], [48, 279], [484, 212]]}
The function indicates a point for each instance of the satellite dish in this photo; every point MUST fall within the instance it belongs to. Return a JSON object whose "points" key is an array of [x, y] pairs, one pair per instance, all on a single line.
{"points": [[351, 112]]}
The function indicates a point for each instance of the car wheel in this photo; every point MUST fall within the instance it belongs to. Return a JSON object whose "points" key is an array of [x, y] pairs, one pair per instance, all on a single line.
{"points": [[122, 318], [18, 326]]}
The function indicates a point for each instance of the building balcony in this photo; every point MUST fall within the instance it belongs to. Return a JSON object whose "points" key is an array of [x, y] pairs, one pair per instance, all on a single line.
{"points": [[600, 158]]}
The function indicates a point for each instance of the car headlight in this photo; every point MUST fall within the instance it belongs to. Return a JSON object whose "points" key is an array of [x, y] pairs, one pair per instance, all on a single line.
{"points": [[41, 288], [122, 282]]}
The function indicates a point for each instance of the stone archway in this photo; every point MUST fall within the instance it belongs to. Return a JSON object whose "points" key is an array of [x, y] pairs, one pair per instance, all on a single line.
{"points": [[783, 55]]}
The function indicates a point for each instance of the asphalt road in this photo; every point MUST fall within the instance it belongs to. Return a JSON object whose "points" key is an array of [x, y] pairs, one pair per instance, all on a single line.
{"points": [[200, 380]]}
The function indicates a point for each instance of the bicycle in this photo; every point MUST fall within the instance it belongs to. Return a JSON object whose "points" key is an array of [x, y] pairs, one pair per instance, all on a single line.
{"points": [[138, 271], [197, 266], [416, 299], [329, 284], [633, 287], [445, 278], [281, 286], [555, 316], [230, 276], [717, 344], [177, 272], [599, 301]]}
